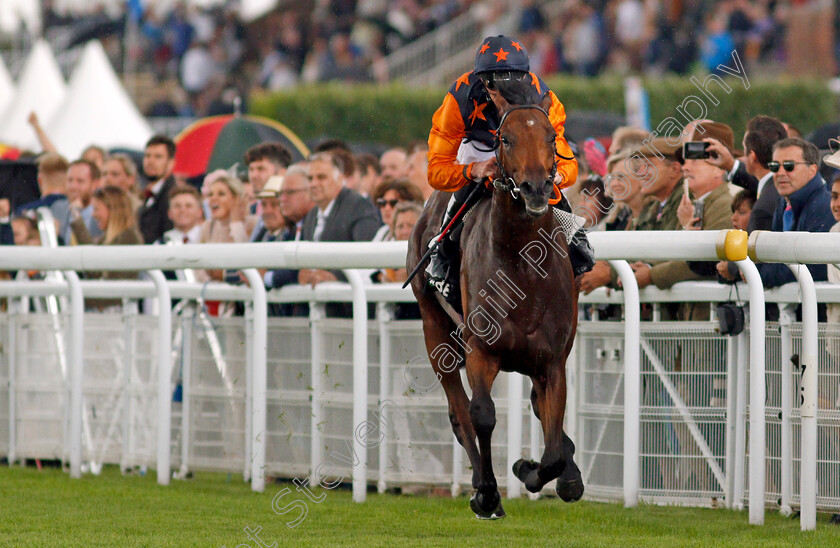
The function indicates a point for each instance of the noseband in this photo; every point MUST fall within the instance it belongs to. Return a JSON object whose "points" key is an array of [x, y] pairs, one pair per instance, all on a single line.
{"points": [[505, 182]]}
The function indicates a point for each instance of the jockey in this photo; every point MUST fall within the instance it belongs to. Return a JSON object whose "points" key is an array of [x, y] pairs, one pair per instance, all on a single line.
{"points": [[461, 152]]}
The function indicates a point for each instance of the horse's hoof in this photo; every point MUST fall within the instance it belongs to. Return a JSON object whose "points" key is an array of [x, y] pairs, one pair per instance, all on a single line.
{"points": [[570, 491], [487, 507], [522, 468]]}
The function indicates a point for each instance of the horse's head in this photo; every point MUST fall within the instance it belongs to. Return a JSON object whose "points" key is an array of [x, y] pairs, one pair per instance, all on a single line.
{"points": [[526, 155]]}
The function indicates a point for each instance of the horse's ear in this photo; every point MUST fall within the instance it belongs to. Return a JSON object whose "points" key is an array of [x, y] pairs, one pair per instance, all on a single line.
{"points": [[502, 104], [546, 102]]}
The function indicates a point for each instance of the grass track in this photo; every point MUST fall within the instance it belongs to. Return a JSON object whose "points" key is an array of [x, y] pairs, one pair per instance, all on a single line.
{"points": [[48, 509]]}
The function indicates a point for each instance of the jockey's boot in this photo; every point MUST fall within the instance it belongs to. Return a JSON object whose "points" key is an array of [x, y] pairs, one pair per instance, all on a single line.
{"points": [[443, 271], [581, 253], [439, 271]]}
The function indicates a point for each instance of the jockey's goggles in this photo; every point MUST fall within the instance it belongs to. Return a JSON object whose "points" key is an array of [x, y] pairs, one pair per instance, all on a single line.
{"points": [[490, 78]]}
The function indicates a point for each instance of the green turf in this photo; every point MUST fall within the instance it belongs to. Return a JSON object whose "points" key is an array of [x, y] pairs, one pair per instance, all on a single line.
{"points": [[47, 508]]}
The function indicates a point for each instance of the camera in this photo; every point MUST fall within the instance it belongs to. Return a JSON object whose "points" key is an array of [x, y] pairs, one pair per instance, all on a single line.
{"points": [[696, 150]]}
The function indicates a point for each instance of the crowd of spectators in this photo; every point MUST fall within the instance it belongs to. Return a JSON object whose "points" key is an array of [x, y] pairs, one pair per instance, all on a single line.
{"points": [[333, 196], [770, 182], [204, 57]]}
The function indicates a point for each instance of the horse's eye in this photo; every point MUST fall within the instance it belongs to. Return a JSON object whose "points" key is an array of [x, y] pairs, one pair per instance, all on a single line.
{"points": [[504, 140]]}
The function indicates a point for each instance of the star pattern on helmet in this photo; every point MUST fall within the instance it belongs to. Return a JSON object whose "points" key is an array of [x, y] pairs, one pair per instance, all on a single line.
{"points": [[536, 82], [484, 48], [516, 45], [464, 79], [501, 55], [478, 112]]}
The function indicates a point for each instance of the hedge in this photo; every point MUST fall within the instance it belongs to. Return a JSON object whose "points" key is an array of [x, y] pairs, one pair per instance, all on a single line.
{"points": [[395, 114]]}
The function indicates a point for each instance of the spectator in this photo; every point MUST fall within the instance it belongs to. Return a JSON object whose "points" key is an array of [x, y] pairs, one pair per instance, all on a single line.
{"points": [[263, 161], [386, 197], [710, 210], [95, 155], [8, 235], [627, 138], [665, 185], [833, 273], [594, 204], [625, 189], [294, 203], [25, 231], [368, 173], [82, 180], [158, 161], [295, 199], [273, 221], [229, 220], [418, 171], [340, 215], [113, 213], [752, 173], [805, 204], [120, 170], [404, 218], [394, 164], [186, 214], [742, 208], [52, 180]]}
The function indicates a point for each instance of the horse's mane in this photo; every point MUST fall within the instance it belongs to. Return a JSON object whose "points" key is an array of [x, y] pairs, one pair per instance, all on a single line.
{"points": [[518, 91]]}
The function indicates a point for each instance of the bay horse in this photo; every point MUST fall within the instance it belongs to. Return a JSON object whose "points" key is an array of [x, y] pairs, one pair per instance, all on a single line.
{"points": [[519, 315]]}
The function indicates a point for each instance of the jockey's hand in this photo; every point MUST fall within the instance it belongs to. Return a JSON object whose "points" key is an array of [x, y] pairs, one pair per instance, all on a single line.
{"points": [[484, 169], [597, 277], [719, 155], [642, 272]]}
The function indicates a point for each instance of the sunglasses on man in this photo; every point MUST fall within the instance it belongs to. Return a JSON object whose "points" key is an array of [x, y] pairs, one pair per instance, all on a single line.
{"points": [[381, 202], [789, 165]]}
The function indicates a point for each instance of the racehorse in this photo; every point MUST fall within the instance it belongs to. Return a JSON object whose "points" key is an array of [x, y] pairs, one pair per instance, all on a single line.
{"points": [[519, 313]]}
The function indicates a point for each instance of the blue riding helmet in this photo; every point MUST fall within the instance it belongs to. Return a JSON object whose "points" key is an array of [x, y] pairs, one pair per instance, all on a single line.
{"points": [[501, 54]]}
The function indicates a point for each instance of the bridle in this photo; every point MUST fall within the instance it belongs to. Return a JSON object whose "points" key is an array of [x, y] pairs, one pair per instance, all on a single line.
{"points": [[505, 182]]}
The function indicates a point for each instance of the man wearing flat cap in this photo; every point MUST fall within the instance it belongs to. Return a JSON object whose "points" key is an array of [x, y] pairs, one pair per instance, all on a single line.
{"points": [[711, 200]]}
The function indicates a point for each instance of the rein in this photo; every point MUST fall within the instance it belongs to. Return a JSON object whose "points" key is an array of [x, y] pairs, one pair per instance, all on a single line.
{"points": [[505, 182]]}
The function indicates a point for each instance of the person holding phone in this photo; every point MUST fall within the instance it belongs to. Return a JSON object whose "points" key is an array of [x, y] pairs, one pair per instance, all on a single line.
{"points": [[706, 185]]}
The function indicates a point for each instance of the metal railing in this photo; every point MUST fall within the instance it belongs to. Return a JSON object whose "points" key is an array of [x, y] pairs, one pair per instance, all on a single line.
{"points": [[652, 246]]}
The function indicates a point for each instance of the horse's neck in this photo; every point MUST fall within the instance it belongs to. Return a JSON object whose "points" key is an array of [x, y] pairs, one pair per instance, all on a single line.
{"points": [[510, 233]]}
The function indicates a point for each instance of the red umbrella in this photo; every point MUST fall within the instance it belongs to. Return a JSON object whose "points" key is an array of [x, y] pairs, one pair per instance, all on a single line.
{"points": [[218, 142]]}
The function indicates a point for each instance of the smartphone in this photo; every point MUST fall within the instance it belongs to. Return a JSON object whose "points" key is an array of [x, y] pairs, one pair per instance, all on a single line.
{"points": [[685, 189], [698, 213], [696, 150]]}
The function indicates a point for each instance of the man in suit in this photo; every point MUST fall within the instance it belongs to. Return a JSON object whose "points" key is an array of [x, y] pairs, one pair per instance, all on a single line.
{"points": [[339, 215], [158, 162], [285, 201], [752, 174]]}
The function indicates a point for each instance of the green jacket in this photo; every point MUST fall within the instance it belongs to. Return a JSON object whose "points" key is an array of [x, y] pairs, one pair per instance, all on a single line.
{"points": [[717, 215], [657, 217]]}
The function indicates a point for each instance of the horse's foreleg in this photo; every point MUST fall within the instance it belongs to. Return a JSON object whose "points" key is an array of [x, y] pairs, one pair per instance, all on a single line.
{"points": [[549, 398], [481, 372], [459, 417]]}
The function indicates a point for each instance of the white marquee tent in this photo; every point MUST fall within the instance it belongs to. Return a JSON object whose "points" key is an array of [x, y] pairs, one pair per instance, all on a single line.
{"points": [[96, 110], [41, 89], [13, 13], [7, 87]]}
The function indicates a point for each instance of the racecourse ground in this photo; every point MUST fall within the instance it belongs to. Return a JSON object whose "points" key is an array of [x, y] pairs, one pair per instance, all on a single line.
{"points": [[47, 508]]}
